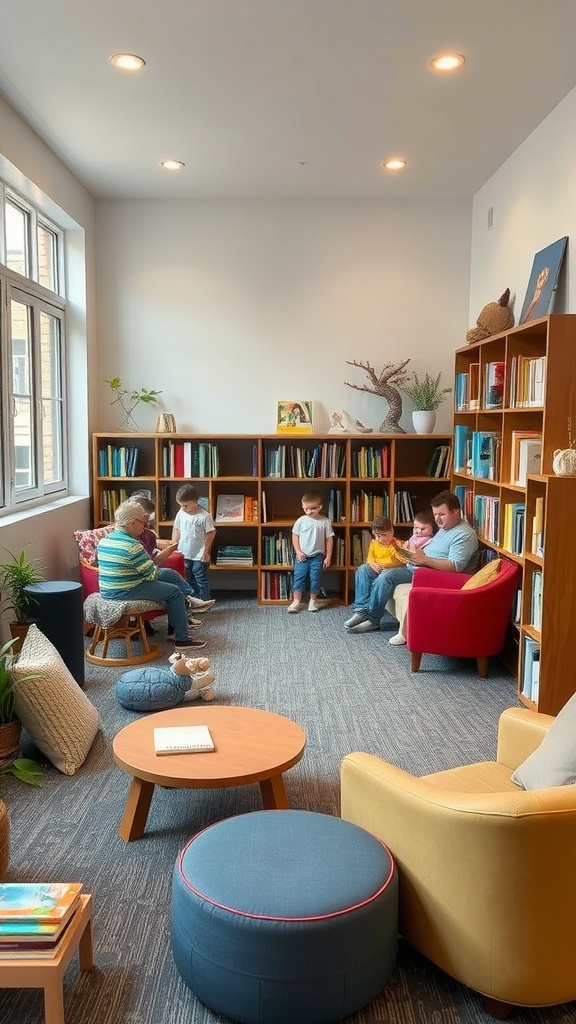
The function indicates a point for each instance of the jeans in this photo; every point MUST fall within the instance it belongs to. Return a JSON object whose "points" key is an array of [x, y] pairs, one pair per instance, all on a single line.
{"points": [[197, 576], [164, 593], [373, 590], [312, 568]]}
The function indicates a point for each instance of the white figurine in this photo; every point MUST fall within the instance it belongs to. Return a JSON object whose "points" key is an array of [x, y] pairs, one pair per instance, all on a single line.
{"points": [[338, 422]]}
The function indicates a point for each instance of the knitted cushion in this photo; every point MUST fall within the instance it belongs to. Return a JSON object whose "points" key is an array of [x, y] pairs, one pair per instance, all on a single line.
{"points": [[105, 613], [51, 706], [87, 541], [484, 575], [151, 689]]}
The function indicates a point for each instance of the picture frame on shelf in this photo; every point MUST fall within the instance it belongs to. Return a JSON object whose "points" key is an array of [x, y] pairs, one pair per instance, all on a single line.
{"points": [[294, 417], [543, 281]]}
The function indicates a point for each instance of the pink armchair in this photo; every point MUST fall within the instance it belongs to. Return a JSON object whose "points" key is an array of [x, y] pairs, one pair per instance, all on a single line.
{"points": [[444, 619]]}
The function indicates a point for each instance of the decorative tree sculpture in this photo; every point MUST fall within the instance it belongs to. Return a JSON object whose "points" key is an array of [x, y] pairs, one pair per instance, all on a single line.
{"points": [[390, 375]]}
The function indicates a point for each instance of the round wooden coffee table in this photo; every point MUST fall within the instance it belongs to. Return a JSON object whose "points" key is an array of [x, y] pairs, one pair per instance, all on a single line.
{"points": [[251, 746]]}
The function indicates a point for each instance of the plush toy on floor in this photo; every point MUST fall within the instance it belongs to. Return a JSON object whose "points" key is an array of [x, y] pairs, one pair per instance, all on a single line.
{"points": [[492, 319], [157, 689]]}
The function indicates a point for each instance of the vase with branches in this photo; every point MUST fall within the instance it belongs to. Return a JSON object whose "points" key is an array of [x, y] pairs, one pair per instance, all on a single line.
{"points": [[129, 399], [385, 384]]}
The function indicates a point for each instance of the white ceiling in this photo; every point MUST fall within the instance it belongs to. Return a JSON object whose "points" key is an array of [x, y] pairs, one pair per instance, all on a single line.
{"points": [[242, 90]]}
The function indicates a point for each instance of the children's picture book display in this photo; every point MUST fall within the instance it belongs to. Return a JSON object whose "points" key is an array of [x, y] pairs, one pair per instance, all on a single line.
{"points": [[182, 739], [229, 508], [34, 916], [294, 417]]}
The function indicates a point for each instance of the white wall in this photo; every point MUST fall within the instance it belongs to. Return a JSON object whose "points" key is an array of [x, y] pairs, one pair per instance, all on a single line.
{"points": [[534, 202], [228, 307], [28, 165]]}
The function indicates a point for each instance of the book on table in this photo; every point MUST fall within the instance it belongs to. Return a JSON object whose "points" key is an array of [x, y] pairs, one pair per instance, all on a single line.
{"points": [[182, 739], [38, 902]]}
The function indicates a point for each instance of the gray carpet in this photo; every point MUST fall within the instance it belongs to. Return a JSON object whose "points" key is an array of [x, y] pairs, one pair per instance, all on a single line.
{"points": [[349, 693]]}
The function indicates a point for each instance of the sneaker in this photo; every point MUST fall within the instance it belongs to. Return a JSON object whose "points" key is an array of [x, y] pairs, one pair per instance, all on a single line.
{"points": [[355, 619], [189, 644], [397, 640], [200, 606], [294, 607], [365, 627], [191, 622], [194, 622], [312, 606]]}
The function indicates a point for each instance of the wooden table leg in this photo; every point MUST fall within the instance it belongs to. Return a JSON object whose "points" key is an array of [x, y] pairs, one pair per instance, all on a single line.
{"points": [[274, 794], [86, 946], [53, 999], [136, 810]]}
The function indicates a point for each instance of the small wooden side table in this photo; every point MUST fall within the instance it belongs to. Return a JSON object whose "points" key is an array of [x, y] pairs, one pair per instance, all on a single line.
{"points": [[48, 972]]}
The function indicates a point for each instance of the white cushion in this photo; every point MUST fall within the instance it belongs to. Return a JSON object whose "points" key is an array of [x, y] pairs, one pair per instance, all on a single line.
{"points": [[553, 763], [53, 709]]}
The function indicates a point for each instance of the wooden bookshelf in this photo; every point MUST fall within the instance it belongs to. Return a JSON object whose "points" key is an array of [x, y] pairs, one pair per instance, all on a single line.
{"points": [[361, 475], [551, 339]]}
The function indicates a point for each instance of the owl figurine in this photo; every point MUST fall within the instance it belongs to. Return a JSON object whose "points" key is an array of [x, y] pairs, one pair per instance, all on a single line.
{"points": [[492, 319]]}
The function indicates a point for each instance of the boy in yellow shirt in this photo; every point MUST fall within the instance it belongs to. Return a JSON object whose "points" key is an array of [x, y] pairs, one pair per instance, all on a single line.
{"points": [[382, 554]]}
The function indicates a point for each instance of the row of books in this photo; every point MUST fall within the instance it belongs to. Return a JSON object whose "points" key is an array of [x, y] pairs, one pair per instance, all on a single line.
{"points": [[34, 916], [235, 554], [326, 460], [190, 459], [527, 381], [360, 544], [441, 461], [371, 462], [486, 517], [167, 512], [536, 546], [536, 600], [275, 586], [513, 529], [530, 668], [526, 455], [365, 505], [403, 507], [477, 452], [277, 549], [466, 498], [110, 498], [467, 389], [121, 461]]}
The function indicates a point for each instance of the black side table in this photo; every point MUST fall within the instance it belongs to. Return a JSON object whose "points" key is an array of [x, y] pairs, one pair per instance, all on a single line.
{"points": [[57, 608]]}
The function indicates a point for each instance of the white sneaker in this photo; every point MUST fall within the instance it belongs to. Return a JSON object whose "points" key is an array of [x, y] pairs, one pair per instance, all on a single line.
{"points": [[294, 607], [200, 606], [313, 606], [397, 640]]}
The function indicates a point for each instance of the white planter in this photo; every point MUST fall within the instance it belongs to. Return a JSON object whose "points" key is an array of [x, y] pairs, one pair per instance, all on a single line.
{"points": [[424, 421]]}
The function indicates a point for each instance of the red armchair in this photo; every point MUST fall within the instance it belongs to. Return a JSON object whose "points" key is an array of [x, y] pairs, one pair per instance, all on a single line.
{"points": [[444, 619]]}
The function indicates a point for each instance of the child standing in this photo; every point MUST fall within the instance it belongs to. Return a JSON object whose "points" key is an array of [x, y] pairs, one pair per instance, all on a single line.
{"points": [[313, 540], [194, 534], [424, 529]]}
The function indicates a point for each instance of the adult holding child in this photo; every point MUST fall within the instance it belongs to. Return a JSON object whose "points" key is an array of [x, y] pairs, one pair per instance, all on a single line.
{"points": [[454, 548], [127, 573]]}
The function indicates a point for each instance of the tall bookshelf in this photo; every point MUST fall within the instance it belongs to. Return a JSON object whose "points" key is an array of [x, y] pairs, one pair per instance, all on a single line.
{"points": [[357, 475], [538, 394]]}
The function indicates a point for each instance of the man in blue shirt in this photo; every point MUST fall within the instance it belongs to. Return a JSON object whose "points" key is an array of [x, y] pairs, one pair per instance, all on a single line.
{"points": [[454, 548]]}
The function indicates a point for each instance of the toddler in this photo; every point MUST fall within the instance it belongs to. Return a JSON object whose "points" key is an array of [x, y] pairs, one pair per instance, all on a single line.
{"points": [[313, 540], [424, 529]]}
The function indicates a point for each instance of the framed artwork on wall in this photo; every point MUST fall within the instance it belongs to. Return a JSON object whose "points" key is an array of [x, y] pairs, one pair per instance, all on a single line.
{"points": [[543, 281], [294, 417]]}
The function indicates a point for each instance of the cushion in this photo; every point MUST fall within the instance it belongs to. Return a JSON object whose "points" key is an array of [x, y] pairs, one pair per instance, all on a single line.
{"points": [[151, 689], [553, 763], [53, 709], [484, 575], [87, 541]]}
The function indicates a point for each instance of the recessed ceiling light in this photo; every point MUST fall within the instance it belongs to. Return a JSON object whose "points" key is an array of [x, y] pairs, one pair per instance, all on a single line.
{"points": [[172, 165], [447, 62], [127, 61], [396, 164]]}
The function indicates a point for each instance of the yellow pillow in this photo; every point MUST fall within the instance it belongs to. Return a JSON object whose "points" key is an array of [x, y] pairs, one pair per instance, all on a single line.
{"points": [[484, 575]]}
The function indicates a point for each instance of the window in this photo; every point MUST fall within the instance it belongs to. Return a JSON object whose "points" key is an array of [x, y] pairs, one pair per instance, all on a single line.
{"points": [[32, 356]]}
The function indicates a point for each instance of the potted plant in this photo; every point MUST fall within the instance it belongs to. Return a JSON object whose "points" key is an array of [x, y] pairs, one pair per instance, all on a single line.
{"points": [[129, 399], [427, 395], [15, 575], [10, 727]]}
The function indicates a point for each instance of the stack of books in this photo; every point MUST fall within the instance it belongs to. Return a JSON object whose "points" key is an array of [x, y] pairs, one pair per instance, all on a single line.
{"points": [[34, 916], [235, 554]]}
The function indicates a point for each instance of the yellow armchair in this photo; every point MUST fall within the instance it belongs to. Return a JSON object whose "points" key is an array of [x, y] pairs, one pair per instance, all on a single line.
{"points": [[486, 870]]}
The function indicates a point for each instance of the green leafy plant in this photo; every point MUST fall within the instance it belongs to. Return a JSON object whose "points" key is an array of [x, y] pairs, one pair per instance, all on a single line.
{"points": [[128, 400], [426, 394], [22, 768], [15, 575]]}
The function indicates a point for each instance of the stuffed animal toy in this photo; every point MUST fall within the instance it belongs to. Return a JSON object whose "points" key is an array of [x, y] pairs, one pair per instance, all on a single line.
{"points": [[156, 689], [493, 319]]}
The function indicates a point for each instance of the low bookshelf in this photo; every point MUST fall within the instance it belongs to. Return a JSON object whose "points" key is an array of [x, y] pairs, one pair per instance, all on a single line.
{"points": [[357, 475]]}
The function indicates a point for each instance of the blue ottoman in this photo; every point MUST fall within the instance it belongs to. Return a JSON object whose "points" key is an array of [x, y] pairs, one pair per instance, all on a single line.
{"points": [[285, 916]]}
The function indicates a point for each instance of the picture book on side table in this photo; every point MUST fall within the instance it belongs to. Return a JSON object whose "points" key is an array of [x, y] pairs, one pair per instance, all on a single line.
{"points": [[182, 739], [46, 903]]}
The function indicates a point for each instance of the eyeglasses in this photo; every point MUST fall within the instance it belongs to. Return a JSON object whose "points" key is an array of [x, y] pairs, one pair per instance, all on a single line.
{"points": [[143, 521]]}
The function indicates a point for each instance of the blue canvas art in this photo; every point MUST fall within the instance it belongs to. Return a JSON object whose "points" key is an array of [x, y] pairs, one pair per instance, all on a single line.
{"points": [[543, 281]]}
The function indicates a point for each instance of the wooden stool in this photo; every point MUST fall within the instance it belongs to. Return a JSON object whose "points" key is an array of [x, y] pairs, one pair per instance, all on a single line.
{"points": [[48, 973], [119, 620]]}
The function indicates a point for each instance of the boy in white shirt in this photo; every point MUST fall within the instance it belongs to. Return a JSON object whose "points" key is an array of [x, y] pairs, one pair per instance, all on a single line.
{"points": [[194, 533], [313, 540]]}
